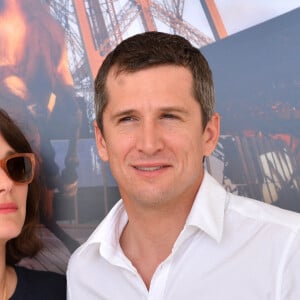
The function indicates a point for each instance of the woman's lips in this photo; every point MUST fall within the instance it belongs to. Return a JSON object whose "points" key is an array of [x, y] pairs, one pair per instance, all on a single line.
{"points": [[8, 207]]}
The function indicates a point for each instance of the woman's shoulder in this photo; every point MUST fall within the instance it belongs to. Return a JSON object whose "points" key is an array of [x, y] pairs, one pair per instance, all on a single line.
{"points": [[23, 271], [35, 284]]}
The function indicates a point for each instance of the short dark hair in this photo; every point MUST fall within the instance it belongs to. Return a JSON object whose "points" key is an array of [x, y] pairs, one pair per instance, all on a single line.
{"points": [[154, 48], [27, 243]]}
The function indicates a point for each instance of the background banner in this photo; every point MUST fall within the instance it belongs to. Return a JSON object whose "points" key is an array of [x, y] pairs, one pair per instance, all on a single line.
{"points": [[50, 52]]}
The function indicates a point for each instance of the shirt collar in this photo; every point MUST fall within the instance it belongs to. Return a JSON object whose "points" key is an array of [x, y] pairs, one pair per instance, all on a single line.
{"points": [[207, 214], [106, 236], [208, 210], [108, 232]]}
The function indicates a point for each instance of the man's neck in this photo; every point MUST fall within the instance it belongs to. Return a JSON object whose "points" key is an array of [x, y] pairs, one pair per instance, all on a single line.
{"points": [[148, 239]]}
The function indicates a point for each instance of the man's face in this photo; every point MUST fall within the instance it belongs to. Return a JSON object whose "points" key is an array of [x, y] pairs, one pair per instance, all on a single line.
{"points": [[153, 136]]}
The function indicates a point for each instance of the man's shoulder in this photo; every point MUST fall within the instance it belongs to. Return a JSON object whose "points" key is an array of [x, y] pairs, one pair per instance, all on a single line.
{"points": [[264, 212], [93, 242], [104, 234]]}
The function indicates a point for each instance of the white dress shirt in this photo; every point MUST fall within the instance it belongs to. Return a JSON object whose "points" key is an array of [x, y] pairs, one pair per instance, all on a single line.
{"points": [[230, 248]]}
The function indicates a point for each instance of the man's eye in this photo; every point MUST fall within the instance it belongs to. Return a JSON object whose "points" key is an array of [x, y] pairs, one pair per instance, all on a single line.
{"points": [[169, 116], [126, 119]]}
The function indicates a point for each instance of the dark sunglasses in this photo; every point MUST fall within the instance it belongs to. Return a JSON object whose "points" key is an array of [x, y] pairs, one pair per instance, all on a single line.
{"points": [[19, 167]]}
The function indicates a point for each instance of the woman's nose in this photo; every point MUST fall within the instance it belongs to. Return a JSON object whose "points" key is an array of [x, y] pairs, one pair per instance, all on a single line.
{"points": [[6, 183]]}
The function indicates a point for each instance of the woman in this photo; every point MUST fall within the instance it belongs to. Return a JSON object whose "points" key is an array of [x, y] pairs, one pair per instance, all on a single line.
{"points": [[19, 196]]}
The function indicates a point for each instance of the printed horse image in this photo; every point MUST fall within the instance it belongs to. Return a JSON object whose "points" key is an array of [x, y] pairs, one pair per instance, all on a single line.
{"points": [[34, 71]]}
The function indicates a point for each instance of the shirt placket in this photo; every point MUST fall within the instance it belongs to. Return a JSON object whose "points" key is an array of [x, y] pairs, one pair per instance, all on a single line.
{"points": [[159, 281]]}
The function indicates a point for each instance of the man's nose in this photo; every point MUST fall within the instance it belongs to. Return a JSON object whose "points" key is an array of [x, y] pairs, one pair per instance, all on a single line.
{"points": [[150, 138]]}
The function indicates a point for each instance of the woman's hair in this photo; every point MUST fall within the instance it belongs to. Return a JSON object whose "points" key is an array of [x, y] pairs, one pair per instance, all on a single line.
{"points": [[27, 243]]}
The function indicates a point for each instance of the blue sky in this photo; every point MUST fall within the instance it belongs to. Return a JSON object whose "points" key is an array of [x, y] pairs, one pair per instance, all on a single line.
{"points": [[237, 15]]}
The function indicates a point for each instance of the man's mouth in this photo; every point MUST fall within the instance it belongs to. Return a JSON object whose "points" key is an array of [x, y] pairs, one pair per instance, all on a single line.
{"points": [[149, 169]]}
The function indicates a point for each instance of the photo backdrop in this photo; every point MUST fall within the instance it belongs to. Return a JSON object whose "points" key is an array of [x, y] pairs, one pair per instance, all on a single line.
{"points": [[50, 52]]}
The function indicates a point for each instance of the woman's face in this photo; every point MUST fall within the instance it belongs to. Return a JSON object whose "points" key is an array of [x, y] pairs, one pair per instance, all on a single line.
{"points": [[12, 200]]}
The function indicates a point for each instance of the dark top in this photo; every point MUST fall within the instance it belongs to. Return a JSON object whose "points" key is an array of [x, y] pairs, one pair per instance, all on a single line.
{"points": [[39, 285]]}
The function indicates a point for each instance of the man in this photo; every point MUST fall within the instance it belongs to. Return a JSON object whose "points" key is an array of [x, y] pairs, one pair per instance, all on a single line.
{"points": [[176, 233]]}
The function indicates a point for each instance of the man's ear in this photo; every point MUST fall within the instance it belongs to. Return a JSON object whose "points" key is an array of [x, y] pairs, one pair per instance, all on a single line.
{"points": [[211, 134], [100, 143]]}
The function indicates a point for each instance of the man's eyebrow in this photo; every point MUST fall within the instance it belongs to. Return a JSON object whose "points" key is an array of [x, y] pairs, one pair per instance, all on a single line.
{"points": [[176, 109], [122, 113], [167, 109]]}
